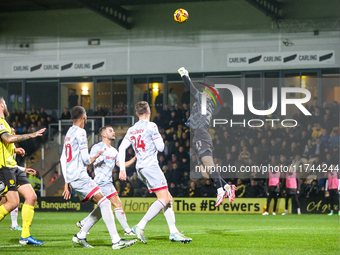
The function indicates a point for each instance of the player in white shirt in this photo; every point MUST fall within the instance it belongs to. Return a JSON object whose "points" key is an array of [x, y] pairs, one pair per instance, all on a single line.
{"points": [[146, 142], [74, 160], [103, 167]]}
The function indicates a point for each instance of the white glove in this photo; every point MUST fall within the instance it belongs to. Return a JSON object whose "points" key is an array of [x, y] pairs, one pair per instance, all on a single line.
{"points": [[182, 71]]}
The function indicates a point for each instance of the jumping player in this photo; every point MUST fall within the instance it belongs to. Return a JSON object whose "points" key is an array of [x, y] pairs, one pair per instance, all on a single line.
{"points": [[199, 125], [103, 167], [146, 142], [13, 178], [74, 159]]}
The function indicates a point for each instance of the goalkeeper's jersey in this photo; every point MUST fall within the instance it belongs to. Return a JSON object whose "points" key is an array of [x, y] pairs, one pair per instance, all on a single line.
{"points": [[6, 149], [197, 119]]}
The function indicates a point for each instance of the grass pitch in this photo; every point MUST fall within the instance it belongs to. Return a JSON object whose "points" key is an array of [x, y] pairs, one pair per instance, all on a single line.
{"points": [[212, 234]]}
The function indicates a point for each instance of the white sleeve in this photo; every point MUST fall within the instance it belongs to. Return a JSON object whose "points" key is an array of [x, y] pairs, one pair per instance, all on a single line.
{"points": [[159, 144], [326, 186], [63, 165], [82, 141], [94, 150], [85, 156], [121, 152], [156, 137], [21, 168]]}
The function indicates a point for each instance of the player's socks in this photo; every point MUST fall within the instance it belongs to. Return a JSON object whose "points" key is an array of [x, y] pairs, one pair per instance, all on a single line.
{"points": [[217, 179], [220, 190], [121, 217], [27, 217], [3, 212], [151, 213], [88, 222], [105, 208], [170, 218], [14, 217]]}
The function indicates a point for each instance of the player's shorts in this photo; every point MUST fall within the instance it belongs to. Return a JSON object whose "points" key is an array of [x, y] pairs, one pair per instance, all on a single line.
{"points": [[85, 187], [153, 178], [108, 190], [11, 179], [203, 144]]}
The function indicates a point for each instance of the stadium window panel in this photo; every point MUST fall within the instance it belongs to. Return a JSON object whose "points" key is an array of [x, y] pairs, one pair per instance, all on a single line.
{"points": [[77, 93], [292, 80], [4, 90], [34, 98], [119, 97], [330, 89], [271, 80], [104, 103], [15, 97], [254, 81]]}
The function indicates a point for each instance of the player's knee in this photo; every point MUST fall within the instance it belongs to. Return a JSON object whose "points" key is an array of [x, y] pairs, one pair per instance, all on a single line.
{"points": [[166, 200], [118, 204], [12, 204], [31, 198]]}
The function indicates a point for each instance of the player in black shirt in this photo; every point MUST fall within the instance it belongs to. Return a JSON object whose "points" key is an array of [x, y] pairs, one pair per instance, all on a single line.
{"points": [[199, 124]]}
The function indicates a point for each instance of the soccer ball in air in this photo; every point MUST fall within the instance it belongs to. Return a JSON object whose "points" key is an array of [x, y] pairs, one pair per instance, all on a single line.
{"points": [[181, 15]]}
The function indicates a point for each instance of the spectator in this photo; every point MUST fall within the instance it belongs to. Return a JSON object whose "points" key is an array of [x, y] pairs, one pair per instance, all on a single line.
{"points": [[178, 112], [34, 114], [158, 120], [172, 98], [207, 189], [318, 148], [333, 140], [66, 115], [273, 148], [42, 114], [252, 190], [324, 137], [159, 102], [240, 188], [22, 114], [245, 154], [327, 123], [13, 115], [308, 150], [173, 190], [128, 190], [193, 191], [317, 131], [313, 190], [137, 185], [173, 121]]}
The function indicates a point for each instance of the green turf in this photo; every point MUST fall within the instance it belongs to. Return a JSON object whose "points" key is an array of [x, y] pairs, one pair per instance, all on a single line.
{"points": [[212, 234]]}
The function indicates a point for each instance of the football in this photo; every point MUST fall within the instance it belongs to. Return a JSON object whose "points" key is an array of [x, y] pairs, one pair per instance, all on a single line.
{"points": [[181, 15]]}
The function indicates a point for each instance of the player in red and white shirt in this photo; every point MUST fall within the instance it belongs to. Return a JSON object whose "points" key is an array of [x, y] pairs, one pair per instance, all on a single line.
{"points": [[103, 167], [146, 142], [74, 160]]}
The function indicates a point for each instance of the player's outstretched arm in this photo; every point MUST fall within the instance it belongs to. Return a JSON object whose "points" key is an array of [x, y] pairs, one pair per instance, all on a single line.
{"points": [[187, 82], [121, 155], [93, 159], [19, 138], [28, 170], [128, 163]]}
